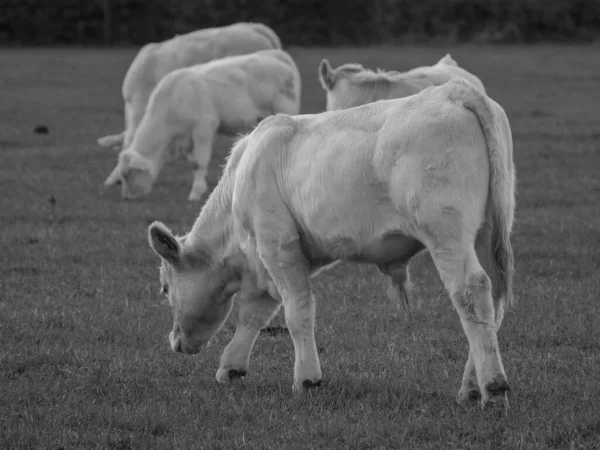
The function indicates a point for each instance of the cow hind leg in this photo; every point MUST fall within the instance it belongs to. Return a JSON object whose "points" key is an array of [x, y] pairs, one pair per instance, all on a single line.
{"points": [[469, 390], [470, 289], [253, 313], [202, 138]]}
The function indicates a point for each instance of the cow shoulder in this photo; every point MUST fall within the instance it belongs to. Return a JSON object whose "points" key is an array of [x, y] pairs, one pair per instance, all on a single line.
{"points": [[264, 154]]}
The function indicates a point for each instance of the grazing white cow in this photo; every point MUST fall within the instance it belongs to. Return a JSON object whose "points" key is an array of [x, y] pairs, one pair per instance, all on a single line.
{"points": [[376, 183], [156, 60], [352, 85], [228, 95]]}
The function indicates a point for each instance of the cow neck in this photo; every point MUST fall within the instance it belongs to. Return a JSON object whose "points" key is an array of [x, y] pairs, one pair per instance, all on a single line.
{"points": [[150, 142], [214, 225], [154, 153]]}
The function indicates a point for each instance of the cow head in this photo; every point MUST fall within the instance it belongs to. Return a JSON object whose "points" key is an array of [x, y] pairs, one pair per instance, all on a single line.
{"points": [[339, 84], [135, 173], [199, 289]]}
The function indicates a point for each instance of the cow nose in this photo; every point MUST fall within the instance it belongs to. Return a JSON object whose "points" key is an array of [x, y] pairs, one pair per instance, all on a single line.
{"points": [[176, 345], [128, 194]]}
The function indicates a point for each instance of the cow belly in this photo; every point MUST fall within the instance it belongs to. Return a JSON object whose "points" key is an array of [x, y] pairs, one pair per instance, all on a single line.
{"points": [[239, 125], [239, 116], [392, 246]]}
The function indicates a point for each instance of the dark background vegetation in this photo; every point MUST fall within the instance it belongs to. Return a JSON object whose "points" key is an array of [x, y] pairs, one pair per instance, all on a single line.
{"points": [[300, 22]]}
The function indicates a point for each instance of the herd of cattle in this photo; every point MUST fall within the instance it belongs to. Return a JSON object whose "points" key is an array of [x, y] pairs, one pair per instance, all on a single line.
{"points": [[400, 163]]}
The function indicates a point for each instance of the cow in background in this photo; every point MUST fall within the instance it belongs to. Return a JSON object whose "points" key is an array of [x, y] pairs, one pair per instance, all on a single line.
{"points": [[155, 60], [228, 96], [352, 85]]}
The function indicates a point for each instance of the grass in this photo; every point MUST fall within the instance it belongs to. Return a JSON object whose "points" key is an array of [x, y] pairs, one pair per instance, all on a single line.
{"points": [[84, 359]]}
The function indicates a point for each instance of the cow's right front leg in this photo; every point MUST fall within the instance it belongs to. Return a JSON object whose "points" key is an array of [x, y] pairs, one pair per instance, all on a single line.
{"points": [[290, 273], [253, 313]]}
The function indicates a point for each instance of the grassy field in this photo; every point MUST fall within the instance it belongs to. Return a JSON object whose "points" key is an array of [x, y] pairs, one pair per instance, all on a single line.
{"points": [[84, 358]]}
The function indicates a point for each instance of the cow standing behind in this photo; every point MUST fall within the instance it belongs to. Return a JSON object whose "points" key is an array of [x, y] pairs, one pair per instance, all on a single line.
{"points": [[229, 95], [378, 183], [155, 60], [352, 85]]}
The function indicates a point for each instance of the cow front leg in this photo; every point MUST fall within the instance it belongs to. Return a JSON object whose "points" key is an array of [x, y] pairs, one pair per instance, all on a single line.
{"points": [[300, 320], [290, 273], [202, 138], [253, 313]]}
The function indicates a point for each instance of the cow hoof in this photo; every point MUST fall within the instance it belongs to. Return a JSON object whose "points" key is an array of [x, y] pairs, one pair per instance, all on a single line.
{"points": [[497, 387], [307, 384], [474, 395], [233, 374], [300, 389], [496, 395], [468, 397], [227, 376]]}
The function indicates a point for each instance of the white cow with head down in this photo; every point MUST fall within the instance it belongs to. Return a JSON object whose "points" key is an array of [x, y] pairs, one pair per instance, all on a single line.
{"points": [[228, 95], [156, 60], [352, 85], [377, 183]]}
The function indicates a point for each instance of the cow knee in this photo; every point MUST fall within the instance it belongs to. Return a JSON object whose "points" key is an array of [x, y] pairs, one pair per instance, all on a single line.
{"points": [[473, 301], [300, 319], [479, 283], [296, 328]]}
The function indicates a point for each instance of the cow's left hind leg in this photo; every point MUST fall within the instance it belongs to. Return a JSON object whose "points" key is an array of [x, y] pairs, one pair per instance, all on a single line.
{"points": [[469, 390], [253, 313], [471, 292], [202, 137]]}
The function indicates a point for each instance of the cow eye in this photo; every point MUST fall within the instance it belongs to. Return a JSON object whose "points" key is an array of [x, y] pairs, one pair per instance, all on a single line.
{"points": [[164, 289]]}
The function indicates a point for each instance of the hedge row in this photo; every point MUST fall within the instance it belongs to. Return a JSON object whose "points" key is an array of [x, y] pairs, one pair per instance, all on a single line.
{"points": [[299, 22]]}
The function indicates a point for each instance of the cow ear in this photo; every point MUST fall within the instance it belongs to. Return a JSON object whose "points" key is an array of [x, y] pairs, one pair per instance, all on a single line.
{"points": [[447, 60], [326, 75], [164, 243]]}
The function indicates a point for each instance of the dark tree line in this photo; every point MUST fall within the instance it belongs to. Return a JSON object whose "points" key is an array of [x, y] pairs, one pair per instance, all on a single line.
{"points": [[300, 22]]}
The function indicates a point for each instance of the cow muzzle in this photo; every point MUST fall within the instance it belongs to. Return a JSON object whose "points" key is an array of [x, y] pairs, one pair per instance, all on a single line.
{"points": [[180, 346]]}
